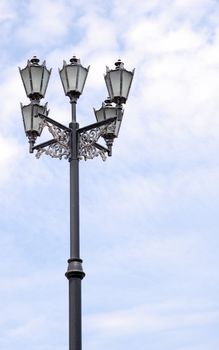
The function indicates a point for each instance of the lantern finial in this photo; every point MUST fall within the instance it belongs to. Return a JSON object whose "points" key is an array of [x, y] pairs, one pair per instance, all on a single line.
{"points": [[119, 64], [35, 60], [75, 60]]}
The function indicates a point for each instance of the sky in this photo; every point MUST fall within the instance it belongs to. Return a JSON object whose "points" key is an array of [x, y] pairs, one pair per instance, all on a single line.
{"points": [[149, 214]]}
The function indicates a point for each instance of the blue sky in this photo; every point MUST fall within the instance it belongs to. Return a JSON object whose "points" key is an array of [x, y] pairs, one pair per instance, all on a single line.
{"points": [[149, 214]]}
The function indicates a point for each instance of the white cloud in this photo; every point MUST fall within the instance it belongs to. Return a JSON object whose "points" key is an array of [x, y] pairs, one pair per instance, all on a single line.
{"points": [[7, 12], [164, 165], [147, 318], [45, 21], [8, 160]]}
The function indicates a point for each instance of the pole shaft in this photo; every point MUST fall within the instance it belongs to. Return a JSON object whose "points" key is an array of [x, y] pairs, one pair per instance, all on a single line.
{"points": [[75, 271], [74, 196]]}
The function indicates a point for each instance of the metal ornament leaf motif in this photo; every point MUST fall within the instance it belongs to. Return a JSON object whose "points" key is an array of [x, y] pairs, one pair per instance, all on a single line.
{"points": [[87, 140], [61, 147], [87, 149]]}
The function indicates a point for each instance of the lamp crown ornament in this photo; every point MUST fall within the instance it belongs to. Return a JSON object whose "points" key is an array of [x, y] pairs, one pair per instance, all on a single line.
{"points": [[108, 102], [75, 60], [119, 64], [35, 60]]}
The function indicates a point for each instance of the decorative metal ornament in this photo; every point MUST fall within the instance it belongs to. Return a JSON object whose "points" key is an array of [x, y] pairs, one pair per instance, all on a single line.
{"points": [[88, 148], [87, 141], [55, 150], [58, 147]]}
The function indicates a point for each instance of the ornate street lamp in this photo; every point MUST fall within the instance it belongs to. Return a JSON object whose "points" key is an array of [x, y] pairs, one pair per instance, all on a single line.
{"points": [[118, 82], [73, 143]]}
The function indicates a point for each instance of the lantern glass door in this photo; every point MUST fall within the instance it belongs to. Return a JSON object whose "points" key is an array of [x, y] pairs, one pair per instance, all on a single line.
{"points": [[72, 76], [36, 78], [25, 75], [126, 83]]}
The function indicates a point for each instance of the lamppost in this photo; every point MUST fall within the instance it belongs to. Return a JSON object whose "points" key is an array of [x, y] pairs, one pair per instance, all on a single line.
{"points": [[74, 144]]}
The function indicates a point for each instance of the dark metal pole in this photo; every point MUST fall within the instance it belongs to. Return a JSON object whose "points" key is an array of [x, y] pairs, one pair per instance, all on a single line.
{"points": [[75, 271]]}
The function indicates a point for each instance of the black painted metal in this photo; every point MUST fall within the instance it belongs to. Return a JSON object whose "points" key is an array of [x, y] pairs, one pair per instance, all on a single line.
{"points": [[75, 271], [54, 122], [97, 125], [44, 144], [101, 147]]}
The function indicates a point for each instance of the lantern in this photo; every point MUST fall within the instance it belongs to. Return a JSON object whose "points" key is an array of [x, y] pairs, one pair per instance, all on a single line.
{"points": [[35, 78], [73, 77], [32, 122], [108, 111], [118, 82]]}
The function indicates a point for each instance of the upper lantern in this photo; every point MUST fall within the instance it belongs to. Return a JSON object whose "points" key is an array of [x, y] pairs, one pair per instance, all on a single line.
{"points": [[73, 77], [35, 78], [118, 82]]}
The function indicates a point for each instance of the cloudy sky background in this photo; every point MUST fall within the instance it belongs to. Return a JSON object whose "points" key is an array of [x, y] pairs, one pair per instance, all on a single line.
{"points": [[149, 214]]}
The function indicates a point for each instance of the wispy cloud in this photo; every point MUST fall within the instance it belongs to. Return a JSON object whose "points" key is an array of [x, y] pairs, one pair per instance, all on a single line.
{"points": [[147, 318], [150, 212]]}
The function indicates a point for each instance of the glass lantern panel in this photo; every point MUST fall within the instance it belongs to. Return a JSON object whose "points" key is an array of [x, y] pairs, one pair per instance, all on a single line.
{"points": [[115, 77], [99, 115], [26, 79], [126, 83], [72, 72], [114, 113], [62, 73], [108, 85], [118, 124], [36, 120], [27, 116], [37, 124], [46, 74], [110, 112], [36, 76], [81, 78], [30, 117]]}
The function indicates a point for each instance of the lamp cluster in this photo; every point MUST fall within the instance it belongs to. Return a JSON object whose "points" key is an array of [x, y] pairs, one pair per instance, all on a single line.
{"points": [[35, 77]]}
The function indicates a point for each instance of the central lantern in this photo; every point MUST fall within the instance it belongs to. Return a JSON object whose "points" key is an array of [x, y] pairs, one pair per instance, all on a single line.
{"points": [[73, 77]]}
